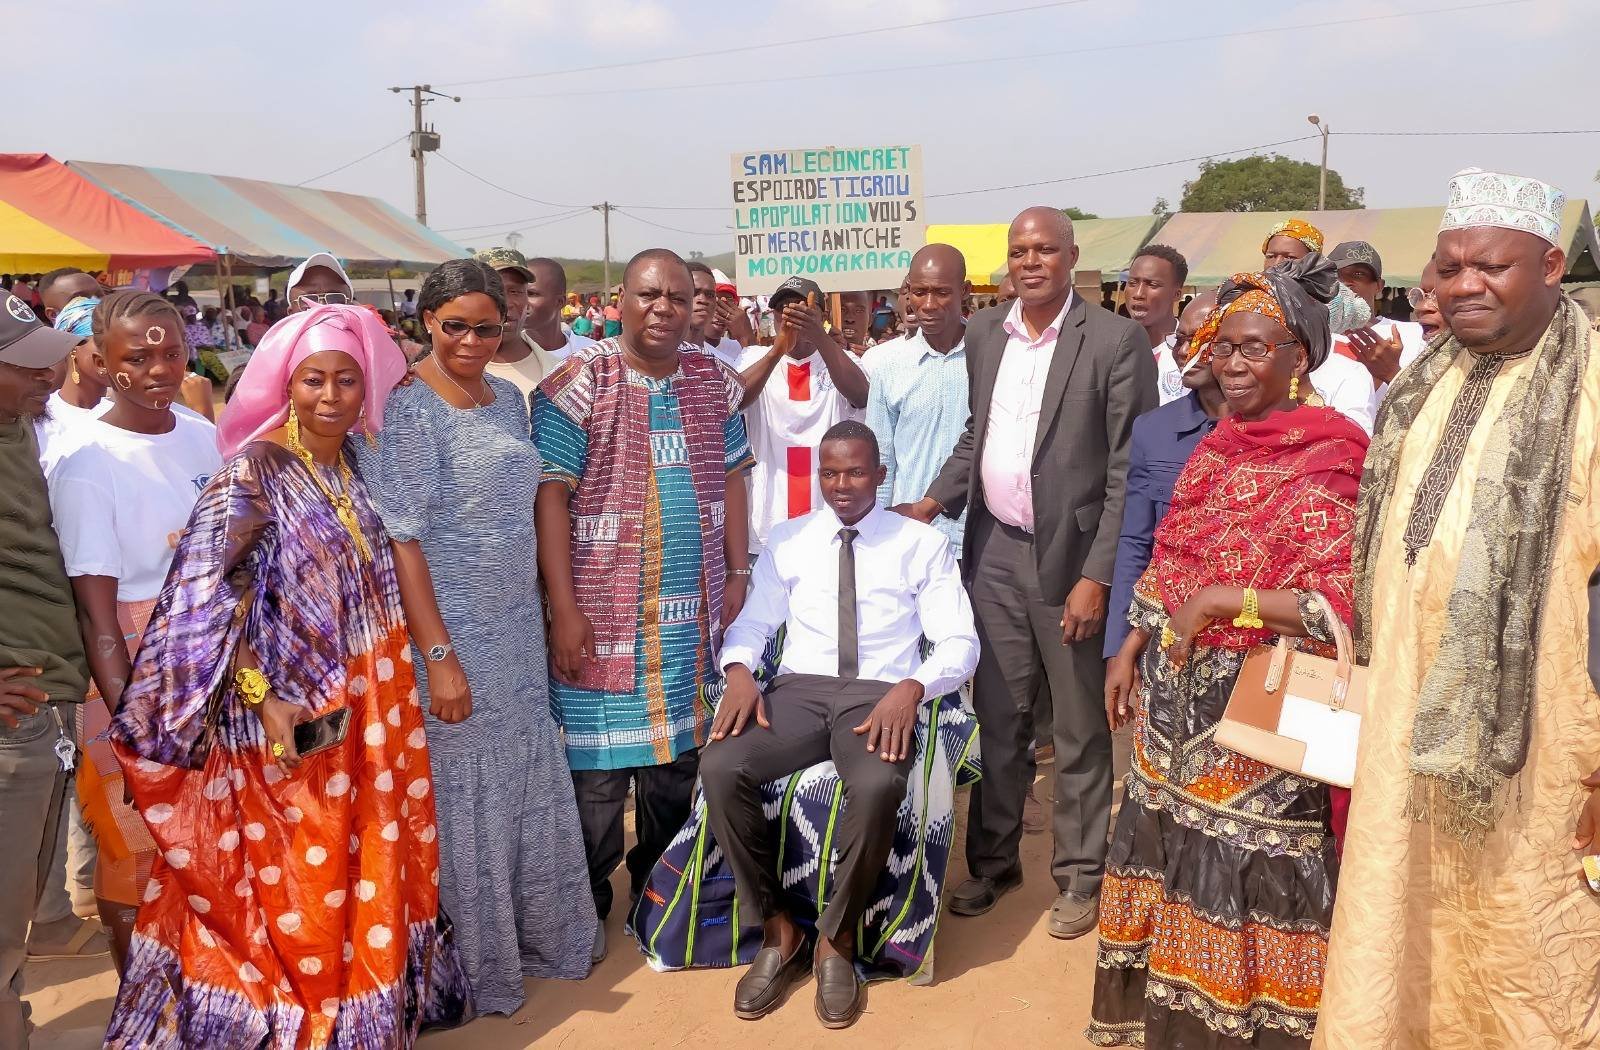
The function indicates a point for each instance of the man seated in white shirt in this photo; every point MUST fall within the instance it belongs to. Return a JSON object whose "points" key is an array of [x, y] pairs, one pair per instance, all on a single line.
{"points": [[849, 688]]}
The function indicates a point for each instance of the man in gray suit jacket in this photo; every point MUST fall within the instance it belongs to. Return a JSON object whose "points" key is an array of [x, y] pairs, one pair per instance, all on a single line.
{"points": [[1056, 384]]}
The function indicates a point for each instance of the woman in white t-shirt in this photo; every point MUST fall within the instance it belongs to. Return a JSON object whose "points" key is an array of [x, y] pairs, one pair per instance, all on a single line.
{"points": [[121, 496], [82, 395]]}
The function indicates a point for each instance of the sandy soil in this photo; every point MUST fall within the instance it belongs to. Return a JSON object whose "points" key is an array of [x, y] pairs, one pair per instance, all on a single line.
{"points": [[998, 979]]}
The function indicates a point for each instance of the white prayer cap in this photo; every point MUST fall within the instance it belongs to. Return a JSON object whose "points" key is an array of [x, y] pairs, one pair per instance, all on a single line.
{"points": [[1511, 202]]}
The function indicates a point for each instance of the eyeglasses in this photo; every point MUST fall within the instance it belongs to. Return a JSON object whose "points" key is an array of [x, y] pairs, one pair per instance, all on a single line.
{"points": [[1254, 350], [1416, 297], [326, 298], [458, 329]]}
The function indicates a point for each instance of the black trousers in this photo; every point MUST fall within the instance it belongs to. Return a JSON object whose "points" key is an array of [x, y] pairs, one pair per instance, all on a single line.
{"points": [[813, 719], [662, 799], [1022, 666]]}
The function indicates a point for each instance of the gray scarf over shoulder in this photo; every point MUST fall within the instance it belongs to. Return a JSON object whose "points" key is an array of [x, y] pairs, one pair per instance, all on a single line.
{"points": [[1474, 713]]}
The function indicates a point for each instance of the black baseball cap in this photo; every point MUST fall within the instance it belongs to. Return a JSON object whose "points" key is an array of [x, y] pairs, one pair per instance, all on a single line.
{"points": [[26, 341], [795, 288], [1356, 253]]}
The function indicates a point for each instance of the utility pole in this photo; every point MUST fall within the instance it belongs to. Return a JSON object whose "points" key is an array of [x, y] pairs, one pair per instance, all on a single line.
{"points": [[423, 139], [1322, 179], [605, 209]]}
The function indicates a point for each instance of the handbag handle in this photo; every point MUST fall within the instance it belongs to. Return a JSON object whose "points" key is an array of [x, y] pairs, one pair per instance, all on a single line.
{"points": [[1343, 644]]}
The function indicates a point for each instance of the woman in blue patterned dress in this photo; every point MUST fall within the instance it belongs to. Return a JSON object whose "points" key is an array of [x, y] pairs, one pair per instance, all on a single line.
{"points": [[453, 477]]}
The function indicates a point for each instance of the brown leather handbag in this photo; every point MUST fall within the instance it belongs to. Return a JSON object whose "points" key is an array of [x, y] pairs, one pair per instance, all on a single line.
{"points": [[1298, 711]]}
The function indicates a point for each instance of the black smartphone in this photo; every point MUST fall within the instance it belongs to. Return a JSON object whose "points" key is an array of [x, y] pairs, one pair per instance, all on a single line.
{"points": [[322, 732]]}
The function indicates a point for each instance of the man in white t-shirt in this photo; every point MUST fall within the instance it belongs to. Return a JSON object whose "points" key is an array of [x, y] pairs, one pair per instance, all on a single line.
{"points": [[796, 389], [1386, 346], [726, 315], [542, 330]]}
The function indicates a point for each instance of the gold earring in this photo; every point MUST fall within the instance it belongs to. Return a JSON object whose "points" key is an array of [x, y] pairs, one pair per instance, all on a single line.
{"points": [[72, 366], [291, 430], [1294, 388], [372, 442]]}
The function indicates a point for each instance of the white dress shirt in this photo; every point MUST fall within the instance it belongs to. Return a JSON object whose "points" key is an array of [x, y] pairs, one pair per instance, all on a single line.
{"points": [[1006, 469], [907, 589]]}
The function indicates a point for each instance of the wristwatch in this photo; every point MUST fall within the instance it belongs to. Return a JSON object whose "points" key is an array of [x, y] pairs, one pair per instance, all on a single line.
{"points": [[439, 652]]}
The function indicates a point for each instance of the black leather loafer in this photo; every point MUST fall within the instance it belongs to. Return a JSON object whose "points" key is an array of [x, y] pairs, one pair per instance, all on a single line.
{"points": [[977, 896], [839, 998], [764, 984]]}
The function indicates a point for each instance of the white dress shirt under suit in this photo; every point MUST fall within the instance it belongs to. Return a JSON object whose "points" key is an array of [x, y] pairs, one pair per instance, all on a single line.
{"points": [[907, 588], [1007, 464]]}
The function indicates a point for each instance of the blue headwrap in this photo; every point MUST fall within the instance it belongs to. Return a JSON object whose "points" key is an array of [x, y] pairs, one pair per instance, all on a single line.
{"points": [[77, 316]]}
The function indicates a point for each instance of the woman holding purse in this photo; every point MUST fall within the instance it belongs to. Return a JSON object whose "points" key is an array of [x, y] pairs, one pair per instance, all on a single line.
{"points": [[294, 900], [1219, 884]]}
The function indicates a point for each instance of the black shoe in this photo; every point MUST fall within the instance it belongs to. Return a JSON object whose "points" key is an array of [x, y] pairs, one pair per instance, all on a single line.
{"points": [[763, 986], [839, 998], [977, 896]]}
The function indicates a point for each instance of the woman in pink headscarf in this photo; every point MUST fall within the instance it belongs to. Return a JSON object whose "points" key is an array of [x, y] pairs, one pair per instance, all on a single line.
{"points": [[272, 739]]}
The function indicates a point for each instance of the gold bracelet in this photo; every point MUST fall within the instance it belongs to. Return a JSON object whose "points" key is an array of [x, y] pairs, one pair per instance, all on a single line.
{"points": [[252, 686], [1250, 615]]}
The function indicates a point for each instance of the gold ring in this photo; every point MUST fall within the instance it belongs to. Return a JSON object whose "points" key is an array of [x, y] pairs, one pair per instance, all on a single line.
{"points": [[1167, 637], [277, 750]]}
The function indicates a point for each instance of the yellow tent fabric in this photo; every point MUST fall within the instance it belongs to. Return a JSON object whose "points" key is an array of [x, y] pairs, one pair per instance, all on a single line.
{"points": [[47, 248], [1103, 244], [1220, 244]]}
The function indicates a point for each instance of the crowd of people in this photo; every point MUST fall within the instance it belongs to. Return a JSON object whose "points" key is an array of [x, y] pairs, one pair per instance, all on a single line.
{"points": [[347, 692]]}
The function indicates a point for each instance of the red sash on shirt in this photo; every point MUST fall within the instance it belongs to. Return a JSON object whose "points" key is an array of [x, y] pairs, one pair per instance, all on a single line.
{"points": [[797, 465]]}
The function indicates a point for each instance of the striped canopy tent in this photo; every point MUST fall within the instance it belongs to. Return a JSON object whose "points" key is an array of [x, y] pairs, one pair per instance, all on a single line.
{"points": [[1221, 244], [50, 216], [1104, 245], [270, 226]]}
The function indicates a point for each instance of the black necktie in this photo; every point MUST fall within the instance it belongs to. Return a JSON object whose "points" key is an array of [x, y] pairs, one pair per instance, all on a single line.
{"points": [[849, 655]]}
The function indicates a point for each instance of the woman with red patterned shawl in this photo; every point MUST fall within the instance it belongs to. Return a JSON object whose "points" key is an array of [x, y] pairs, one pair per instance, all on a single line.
{"points": [[1220, 880], [294, 900]]}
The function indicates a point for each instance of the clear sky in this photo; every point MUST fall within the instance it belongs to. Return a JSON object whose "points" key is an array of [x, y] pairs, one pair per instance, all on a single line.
{"points": [[291, 90]]}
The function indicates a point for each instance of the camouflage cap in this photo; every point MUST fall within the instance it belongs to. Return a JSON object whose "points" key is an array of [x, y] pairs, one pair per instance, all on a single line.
{"points": [[505, 259]]}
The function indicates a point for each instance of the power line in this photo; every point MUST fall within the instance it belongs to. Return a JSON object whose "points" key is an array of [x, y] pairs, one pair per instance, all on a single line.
{"points": [[875, 70], [1123, 171], [1452, 134], [502, 189], [514, 224], [719, 52], [631, 208], [674, 229], [358, 160]]}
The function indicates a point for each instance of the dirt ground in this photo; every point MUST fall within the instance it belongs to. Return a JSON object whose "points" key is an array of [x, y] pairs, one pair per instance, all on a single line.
{"points": [[998, 979]]}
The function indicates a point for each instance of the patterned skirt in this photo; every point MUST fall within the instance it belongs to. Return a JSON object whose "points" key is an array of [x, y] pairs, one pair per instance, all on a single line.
{"points": [[1219, 883], [300, 911]]}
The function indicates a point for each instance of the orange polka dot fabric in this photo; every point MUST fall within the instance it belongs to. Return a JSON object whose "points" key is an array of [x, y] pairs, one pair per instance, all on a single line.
{"points": [[299, 910]]}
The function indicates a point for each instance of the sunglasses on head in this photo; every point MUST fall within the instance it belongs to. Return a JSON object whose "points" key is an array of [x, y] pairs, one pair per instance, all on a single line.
{"points": [[326, 298]]}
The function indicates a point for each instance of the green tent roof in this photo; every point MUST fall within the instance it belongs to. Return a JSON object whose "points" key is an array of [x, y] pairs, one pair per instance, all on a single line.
{"points": [[1220, 244]]}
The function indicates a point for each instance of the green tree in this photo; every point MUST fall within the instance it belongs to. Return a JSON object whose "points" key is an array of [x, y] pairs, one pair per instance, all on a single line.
{"points": [[1265, 183], [1078, 214]]}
